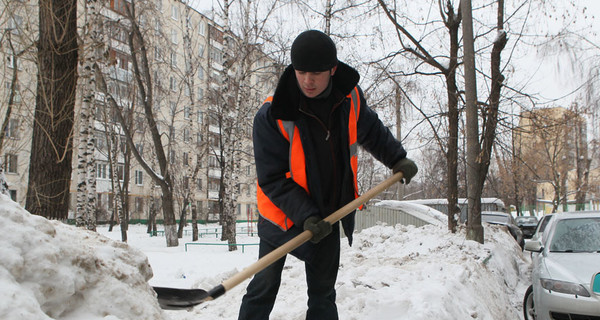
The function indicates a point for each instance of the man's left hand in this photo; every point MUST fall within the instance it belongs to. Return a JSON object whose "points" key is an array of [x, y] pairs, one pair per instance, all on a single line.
{"points": [[407, 167]]}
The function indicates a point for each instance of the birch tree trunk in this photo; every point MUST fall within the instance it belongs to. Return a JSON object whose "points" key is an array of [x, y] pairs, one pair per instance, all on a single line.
{"points": [[86, 164], [228, 146]]}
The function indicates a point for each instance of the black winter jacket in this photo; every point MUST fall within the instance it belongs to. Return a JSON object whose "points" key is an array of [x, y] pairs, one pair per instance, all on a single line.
{"points": [[271, 152]]}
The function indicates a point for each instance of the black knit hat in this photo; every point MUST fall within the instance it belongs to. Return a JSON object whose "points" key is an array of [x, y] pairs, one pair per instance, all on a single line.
{"points": [[313, 51]]}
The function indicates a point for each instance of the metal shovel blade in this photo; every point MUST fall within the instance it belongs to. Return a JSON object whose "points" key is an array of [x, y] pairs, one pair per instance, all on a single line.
{"points": [[176, 299]]}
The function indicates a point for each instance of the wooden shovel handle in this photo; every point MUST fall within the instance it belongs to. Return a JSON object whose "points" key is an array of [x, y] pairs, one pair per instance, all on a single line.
{"points": [[300, 239]]}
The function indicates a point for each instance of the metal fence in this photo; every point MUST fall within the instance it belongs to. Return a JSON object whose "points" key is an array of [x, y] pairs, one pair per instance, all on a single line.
{"points": [[373, 215]]}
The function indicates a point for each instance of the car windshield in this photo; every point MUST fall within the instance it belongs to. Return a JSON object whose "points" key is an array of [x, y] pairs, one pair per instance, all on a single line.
{"points": [[495, 218], [576, 235]]}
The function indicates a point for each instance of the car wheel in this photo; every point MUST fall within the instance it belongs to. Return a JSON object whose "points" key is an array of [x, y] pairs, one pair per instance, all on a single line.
{"points": [[528, 305]]}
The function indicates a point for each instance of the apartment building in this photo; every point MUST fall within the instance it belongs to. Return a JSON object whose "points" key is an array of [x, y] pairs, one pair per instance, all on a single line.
{"points": [[552, 146], [192, 63]]}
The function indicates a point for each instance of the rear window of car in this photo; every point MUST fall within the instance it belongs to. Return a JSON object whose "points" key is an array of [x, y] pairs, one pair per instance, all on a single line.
{"points": [[527, 220], [495, 218]]}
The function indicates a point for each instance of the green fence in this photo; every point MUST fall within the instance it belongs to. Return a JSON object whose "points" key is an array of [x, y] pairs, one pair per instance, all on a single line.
{"points": [[547, 207]]}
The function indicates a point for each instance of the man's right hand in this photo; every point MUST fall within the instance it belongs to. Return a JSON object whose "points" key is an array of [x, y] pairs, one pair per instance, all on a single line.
{"points": [[319, 228], [407, 167]]}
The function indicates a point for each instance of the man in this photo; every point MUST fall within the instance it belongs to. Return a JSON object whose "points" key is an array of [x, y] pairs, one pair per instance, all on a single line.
{"points": [[305, 140]]}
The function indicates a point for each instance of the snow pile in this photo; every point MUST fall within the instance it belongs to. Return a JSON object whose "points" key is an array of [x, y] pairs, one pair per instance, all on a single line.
{"points": [[52, 271], [401, 272], [49, 270]]}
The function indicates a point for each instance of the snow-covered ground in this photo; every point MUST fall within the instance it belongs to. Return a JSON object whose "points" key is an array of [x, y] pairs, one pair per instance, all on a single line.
{"points": [[52, 271]]}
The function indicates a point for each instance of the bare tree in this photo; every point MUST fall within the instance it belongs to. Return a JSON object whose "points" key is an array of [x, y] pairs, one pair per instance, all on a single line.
{"points": [[50, 165], [144, 88], [412, 46], [237, 101]]}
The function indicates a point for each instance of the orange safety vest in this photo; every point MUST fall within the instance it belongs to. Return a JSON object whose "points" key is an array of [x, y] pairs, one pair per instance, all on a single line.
{"points": [[288, 129]]}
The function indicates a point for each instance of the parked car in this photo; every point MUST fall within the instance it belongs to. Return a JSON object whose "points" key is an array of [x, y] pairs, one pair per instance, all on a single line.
{"points": [[566, 269], [540, 230], [505, 219], [527, 224]]}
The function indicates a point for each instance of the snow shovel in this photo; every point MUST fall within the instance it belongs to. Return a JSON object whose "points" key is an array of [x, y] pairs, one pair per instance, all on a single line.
{"points": [[172, 298]]}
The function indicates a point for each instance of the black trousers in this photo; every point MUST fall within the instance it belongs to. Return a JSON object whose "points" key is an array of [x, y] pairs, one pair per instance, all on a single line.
{"points": [[321, 275]]}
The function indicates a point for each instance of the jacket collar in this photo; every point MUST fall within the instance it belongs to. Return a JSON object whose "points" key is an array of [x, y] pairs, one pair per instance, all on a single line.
{"points": [[286, 100]]}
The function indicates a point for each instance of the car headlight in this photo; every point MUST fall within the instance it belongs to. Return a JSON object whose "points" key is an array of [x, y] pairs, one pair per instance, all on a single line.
{"points": [[564, 287]]}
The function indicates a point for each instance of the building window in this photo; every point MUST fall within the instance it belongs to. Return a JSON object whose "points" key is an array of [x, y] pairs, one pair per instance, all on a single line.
{"points": [[200, 115], [157, 57], [213, 184], [199, 184], [201, 50], [139, 123], [11, 61], [186, 183], [119, 6], [212, 162], [172, 84], [117, 33], [216, 55], [111, 201], [172, 108], [186, 135], [101, 171], [174, 36], [202, 28], [199, 138], [15, 23], [213, 120], [173, 59], [120, 172], [139, 177], [175, 12], [172, 157], [213, 140], [10, 163], [12, 130], [187, 112], [139, 204], [185, 159], [119, 59]]}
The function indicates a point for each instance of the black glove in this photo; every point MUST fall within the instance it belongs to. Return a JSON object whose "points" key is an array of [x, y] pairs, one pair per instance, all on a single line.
{"points": [[407, 167], [319, 228]]}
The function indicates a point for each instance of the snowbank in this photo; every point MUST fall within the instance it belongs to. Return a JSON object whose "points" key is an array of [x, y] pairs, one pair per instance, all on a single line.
{"points": [[49, 270], [52, 271], [399, 272]]}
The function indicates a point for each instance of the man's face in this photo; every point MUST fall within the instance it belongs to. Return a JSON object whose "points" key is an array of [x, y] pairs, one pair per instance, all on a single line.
{"points": [[313, 83]]}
